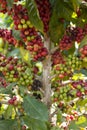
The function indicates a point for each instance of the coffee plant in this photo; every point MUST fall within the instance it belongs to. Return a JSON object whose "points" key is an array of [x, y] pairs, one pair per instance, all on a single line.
{"points": [[43, 64]]}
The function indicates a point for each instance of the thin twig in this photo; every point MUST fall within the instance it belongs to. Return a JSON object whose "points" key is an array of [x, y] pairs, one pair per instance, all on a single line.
{"points": [[53, 76], [55, 112], [4, 102], [54, 49], [70, 81], [42, 91]]}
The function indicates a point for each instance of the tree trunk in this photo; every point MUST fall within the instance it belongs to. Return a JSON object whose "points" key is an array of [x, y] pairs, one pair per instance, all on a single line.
{"points": [[46, 80]]}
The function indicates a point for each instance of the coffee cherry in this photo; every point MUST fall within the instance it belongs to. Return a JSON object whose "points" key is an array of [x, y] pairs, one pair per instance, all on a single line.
{"points": [[79, 94], [20, 26], [12, 100], [24, 127], [83, 52], [61, 76], [3, 82], [78, 86], [16, 103], [23, 21]]}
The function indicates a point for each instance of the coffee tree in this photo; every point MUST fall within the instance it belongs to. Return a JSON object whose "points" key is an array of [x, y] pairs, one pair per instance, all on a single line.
{"points": [[43, 64]]}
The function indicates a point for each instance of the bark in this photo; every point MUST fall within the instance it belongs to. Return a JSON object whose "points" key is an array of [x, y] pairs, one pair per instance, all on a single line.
{"points": [[46, 79]]}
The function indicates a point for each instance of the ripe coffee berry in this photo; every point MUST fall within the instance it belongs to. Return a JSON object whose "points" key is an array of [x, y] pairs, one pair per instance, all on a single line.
{"points": [[24, 127]]}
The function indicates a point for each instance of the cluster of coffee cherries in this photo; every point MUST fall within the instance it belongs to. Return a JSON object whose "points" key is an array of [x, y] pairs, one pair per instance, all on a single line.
{"points": [[36, 85], [61, 71], [15, 70], [31, 37], [6, 35], [44, 11], [59, 66], [37, 49], [83, 52], [65, 43], [81, 87], [72, 34], [75, 33], [3, 82], [62, 93], [73, 62], [70, 91], [3, 6], [74, 116], [68, 66], [57, 58], [21, 19]]}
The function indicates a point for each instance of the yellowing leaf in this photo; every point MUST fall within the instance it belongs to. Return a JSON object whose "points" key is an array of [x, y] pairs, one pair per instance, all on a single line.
{"points": [[25, 55], [82, 128], [78, 76], [81, 120]]}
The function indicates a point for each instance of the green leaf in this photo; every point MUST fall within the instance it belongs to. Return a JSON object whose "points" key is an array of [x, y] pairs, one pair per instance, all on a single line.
{"points": [[16, 34], [35, 108], [70, 51], [34, 14], [34, 124], [52, 2], [8, 89], [82, 121], [81, 102], [56, 128], [59, 116], [82, 20], [22, 90], [83, 42], [5, 21], [63, 10], [8, 20], [14, 52], [8, 125], [73, 126], [76, 3], [8, 112], [60, 10], [10, 3], [56, 29], [84, 71]]}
